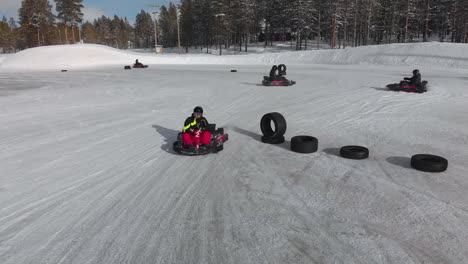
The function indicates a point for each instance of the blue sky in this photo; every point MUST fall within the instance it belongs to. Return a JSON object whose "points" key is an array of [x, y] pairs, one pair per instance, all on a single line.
{"points": [[123, 8], [94, 8]]}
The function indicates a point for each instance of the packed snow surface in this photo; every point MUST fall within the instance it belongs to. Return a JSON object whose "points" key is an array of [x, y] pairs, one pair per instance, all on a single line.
{"points": [[88, 175]]}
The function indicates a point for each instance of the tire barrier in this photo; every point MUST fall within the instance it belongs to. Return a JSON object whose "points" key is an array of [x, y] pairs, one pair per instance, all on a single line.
{"points": [[429, 163], [271, 136], [304, 144], [309, 144], [354, 152]]}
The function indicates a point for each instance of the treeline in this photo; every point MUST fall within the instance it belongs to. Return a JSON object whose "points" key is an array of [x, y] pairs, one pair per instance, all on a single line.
{"points": [[338, 22], [204, 23], [38, 26]]}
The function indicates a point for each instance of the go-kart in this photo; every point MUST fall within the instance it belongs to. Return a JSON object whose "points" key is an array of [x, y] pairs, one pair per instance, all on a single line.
{"points": [[140, 66], [218, 137], [404, 86], [277, 82], [276, 77]]}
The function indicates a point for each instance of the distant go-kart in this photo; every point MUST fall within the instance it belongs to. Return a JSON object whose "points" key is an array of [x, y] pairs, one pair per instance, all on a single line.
{"points": [[404, 86], [277, 82], [140, 66], [276, 77]]}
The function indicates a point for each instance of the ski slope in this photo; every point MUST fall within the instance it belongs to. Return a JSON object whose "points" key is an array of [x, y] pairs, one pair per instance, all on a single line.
{"points": [[88, 175]]}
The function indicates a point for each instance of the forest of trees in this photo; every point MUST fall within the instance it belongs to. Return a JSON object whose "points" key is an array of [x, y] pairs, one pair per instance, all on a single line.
{"points": [[204, 23]]}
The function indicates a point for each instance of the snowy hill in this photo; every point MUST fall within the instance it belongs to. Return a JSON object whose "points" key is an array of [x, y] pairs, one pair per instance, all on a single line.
{"points": [[88, 174], [420, 55]]}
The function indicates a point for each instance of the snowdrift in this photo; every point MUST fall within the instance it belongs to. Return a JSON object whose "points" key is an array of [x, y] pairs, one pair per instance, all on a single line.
{"points": [[65, 57], [2, 58], [420, 55]]}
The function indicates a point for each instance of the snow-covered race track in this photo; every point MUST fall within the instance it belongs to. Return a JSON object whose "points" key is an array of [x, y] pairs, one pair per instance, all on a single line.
{"points": [[88, 175]]}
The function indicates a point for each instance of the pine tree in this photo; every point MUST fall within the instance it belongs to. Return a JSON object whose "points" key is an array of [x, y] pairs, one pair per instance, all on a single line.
{"points": [[144, 30], [186, 24], [69, 12], [89, 33], [204, 17], [37, 21], [5, 33]]}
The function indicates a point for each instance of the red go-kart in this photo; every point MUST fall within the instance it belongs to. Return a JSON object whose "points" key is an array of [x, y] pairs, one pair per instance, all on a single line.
{"points": [[218, 137], [404, 86]]}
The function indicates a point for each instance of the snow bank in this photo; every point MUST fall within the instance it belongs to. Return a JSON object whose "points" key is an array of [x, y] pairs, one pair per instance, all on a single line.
{"points": [[2, 58], [421, 55], [65, 57]]}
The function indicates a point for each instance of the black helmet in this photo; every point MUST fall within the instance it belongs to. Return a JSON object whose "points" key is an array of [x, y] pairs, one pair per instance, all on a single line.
{"points": [[416, 71], [198, 109]]}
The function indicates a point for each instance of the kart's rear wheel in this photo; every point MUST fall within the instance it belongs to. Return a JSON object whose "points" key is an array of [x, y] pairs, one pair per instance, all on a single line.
{"points": [[177, 146]]}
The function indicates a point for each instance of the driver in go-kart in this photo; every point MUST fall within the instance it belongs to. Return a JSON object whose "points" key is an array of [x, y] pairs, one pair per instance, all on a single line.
{"points": [[195, 134], [137, 63], [415, 80]]}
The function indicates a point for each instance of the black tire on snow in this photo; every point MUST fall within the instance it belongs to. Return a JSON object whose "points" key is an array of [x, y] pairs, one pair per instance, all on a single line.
{"points": [[277, 140], [354, 152], [304, 144], [127, 67], [280, 125], [429, 163]]}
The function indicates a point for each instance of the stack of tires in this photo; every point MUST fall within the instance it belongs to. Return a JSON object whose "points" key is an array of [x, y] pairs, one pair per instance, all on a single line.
{"points": [[300, 144]]}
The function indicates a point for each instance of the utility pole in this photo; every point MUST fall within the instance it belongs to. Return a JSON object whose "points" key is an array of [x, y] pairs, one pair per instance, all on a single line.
{"points": [[79, 33], [219, 17], [155, 13], [178, 30], [155, 29]]}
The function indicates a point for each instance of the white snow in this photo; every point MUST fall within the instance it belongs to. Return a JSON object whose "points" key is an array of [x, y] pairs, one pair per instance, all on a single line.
{"points": [[88, 175]]}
